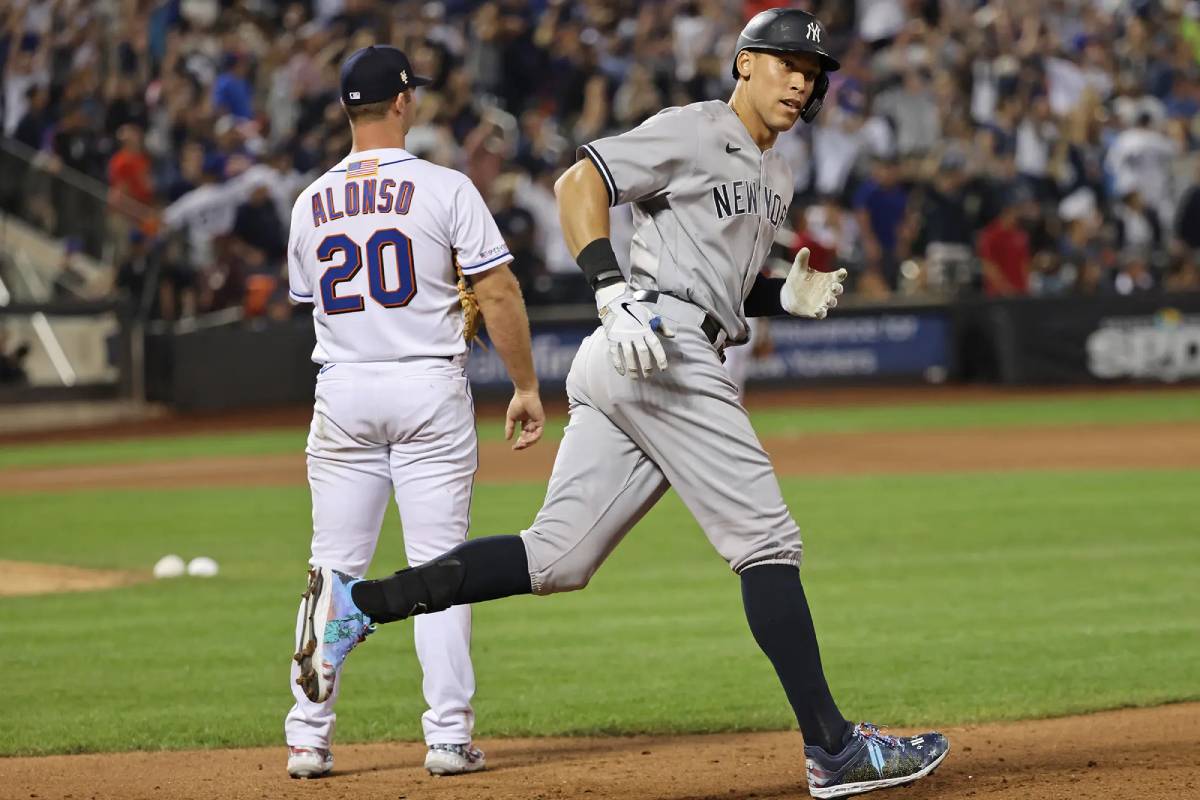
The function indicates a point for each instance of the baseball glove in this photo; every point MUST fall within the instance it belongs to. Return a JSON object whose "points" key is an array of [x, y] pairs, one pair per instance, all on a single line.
{"points": [[470, 307]]}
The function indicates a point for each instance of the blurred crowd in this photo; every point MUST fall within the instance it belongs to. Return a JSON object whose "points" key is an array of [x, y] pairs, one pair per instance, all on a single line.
{"points": [[1025, 147]]}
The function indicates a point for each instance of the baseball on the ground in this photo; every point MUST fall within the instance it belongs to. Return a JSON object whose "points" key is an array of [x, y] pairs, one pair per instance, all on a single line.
{"points": [[202, 567], [169, 566]]}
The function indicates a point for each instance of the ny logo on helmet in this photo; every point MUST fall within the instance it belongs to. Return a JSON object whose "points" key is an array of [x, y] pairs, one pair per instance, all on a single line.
{"points": [[814, 32], [404, 75]]}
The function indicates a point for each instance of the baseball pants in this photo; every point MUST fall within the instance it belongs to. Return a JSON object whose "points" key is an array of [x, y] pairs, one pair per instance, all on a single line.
{"points": [[629, 440], [404, 429]]}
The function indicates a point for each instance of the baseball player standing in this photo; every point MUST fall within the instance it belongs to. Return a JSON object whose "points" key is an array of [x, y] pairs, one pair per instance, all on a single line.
{"points": [[374, 247], [651, 404]]}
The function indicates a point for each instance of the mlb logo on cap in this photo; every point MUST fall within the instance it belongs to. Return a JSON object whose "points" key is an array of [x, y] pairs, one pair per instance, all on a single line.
{"points": [[377, 73]]}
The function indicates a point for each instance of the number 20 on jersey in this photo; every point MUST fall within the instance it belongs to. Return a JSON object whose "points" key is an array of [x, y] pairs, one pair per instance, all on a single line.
{"points": [[377, 248]]}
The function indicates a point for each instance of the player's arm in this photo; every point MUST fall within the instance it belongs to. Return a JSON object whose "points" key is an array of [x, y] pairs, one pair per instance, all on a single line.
{"points": [[583, 212], [503, 309], [583, 203], [635, 166], [477, 241]]}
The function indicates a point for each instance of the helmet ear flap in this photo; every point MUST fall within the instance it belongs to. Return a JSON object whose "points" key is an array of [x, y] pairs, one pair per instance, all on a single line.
{"points": [[816, 99]]}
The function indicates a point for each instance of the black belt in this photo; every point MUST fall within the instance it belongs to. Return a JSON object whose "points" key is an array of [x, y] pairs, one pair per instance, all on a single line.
{"points": [[710, 327]]}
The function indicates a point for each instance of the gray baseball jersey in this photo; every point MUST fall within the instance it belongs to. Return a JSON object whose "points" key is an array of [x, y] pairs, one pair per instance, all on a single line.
{"points": [[706, 204]]}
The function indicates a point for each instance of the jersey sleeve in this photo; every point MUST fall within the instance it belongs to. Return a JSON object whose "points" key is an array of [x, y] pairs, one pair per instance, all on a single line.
{"points": [[474, 236], [640, 164], [299, 282]]}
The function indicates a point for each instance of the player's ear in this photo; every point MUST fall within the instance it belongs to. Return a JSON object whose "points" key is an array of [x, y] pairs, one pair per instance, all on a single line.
{"points": [[401, 105], [744, 59]]}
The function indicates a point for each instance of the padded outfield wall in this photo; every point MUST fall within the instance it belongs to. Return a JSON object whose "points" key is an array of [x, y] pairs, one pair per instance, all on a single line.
{"points": [[1148, 339]]}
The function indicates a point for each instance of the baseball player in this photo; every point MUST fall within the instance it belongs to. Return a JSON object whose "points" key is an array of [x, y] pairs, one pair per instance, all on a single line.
{"points": [[651, 405], [374, 247]]}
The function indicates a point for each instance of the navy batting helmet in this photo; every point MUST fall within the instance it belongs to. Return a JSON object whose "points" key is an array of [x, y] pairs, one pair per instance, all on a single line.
{"points": [[790, 30]]}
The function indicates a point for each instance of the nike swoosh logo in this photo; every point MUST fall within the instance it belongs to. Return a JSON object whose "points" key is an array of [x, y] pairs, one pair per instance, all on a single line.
{"points": [[625, 308], [731, 149]]}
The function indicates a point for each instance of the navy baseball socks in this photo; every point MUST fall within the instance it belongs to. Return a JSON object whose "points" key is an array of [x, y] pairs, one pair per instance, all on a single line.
{"points": [[781, 622], [475, 571], [840, 759]]}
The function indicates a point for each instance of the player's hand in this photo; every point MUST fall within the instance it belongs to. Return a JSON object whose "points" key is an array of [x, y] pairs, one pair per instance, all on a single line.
{"points": [[633, 333], [525, 411], [807, 292]]}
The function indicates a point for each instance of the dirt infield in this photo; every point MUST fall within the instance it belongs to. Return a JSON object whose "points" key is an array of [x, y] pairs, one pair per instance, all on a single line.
{"points": [[1145, 446], [1137, 754], [293, 416]]}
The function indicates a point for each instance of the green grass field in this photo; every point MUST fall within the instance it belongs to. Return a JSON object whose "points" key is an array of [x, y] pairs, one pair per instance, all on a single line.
{"points": [[942, 599]]}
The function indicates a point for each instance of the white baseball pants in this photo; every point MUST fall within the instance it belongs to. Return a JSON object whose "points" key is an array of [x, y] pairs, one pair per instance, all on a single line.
{"points": [[405, 429]]}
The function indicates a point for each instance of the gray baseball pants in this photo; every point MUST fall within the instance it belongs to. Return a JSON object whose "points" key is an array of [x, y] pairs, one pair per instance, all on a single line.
{"points": [[628, 440]]}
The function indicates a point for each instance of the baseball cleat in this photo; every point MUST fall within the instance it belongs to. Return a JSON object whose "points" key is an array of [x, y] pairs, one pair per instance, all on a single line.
{"points": [[333, 626], [873, 760], [454, 759], [309, 762]]}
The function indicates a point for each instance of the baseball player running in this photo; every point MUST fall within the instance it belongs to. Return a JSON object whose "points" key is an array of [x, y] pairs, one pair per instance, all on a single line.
{"points": [[374, 246], [651, 406]]}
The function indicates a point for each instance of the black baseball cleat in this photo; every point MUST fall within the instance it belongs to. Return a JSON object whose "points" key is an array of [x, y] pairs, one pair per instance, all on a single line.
{"points": [[873, 760]]}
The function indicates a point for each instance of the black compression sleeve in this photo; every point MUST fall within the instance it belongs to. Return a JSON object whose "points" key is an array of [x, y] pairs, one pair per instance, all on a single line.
{"points": [[763, 300], [599, 264]]}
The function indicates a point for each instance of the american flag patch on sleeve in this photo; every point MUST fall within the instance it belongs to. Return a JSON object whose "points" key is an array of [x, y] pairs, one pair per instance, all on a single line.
{"points": [[362, 169]]}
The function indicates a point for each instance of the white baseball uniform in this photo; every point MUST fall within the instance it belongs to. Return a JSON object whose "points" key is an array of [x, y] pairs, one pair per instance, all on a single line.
{"points": [[373, 246]]}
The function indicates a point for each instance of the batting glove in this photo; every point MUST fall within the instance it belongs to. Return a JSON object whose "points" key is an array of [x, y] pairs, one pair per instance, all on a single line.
{"points": [[807, 292], [632, 332]]}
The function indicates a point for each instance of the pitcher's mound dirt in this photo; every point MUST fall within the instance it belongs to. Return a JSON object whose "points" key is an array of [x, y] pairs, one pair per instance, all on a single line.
{"points": [[1137, 754], [27, 577]]}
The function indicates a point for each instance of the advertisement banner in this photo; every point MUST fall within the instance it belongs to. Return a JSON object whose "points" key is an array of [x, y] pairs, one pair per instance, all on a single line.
{"points": [[1145, 339], [882, 344], [857, 345]]}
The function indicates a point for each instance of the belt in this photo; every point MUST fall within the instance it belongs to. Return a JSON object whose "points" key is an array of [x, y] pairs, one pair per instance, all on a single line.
{"points": [[686, 312]]}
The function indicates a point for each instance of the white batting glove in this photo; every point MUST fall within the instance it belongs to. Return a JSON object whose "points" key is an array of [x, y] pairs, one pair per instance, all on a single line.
{"points": [[632, 332], [807, 292]]}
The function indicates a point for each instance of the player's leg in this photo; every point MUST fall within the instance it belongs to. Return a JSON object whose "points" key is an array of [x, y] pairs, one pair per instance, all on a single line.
{"points": [[601, 485], [689, 420], [351, 484], [433, 468]]}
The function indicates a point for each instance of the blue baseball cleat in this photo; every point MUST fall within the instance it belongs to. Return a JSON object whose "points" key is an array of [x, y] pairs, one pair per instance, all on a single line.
{"points": [[873, 760], [333, 626]]}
